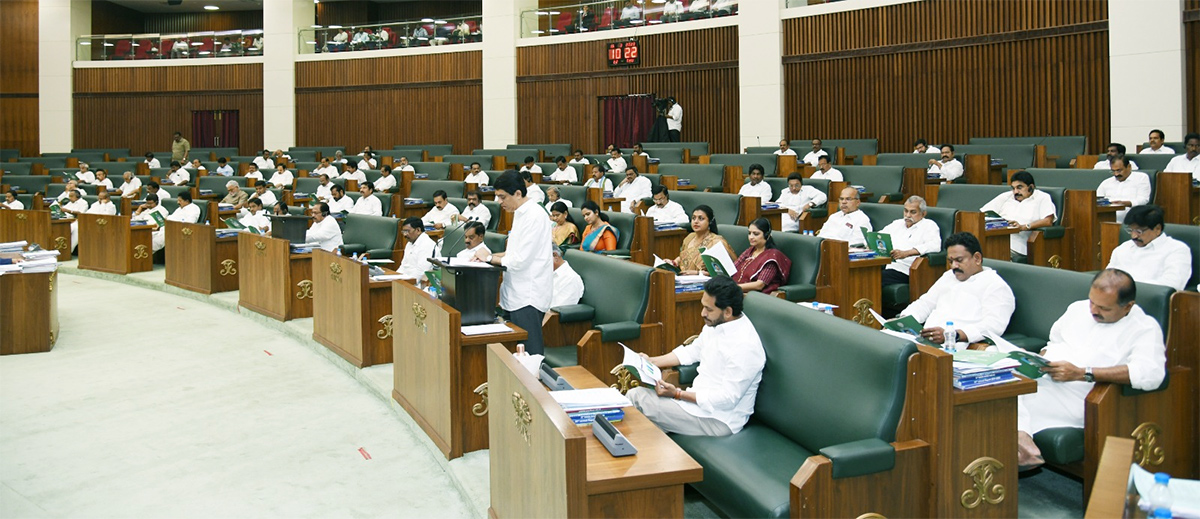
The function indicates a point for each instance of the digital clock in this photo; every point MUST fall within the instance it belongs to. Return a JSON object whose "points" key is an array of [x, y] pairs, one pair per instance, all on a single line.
{"points": [[624, 53]]}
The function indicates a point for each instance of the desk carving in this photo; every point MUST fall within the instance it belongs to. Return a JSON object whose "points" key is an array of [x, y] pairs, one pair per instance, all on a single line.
{"points": [[22, 216], [228, 267], [1147, 452], [983, 472], [305, 290], [522, 417], [60, 242], [260, 246], [481, 408], [335, 273], [625, 379], [99, 221], [187, 232], [863, 311], [139, 252], [386, 332], [1054, 261], [419, 315], [52, 274]]}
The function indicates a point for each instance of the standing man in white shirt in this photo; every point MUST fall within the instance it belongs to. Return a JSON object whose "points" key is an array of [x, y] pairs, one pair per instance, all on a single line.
{"points": [[282, 177], [798, 199], [151, 162], [826, 171], [417, 251], [665, 210], [1150, 255], [324, 230], [527, 259], [1026, 208], [615, 161], [1156, 144], [674, 119], [264, 161], [973, 297], [720, 399], [1126, 188], [949, 168], [132, 187], [476, 176], [785, 149], [565, 174], [1189, 162], [442, 213], [756, 187], [475, 210], [847, 224], [1114, 149], [811, 157], [633, 189], [387, 181], [325, 169], [368, 203], [912, 236]]}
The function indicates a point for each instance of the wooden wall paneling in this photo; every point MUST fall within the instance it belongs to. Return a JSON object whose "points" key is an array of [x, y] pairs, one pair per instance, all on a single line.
{"points": [[675, 49], [199, 78], [110, 18], [207, 21], [394, 70], [1191, 29], [404, 11], [19, 75], [346, 13]]}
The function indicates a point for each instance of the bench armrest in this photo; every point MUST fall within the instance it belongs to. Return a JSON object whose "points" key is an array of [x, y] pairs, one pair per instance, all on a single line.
{"points": [[798, 292], [574, 313], [859, 458], [1127, 390], [687, 373], [619, 331], [936, 259], [1053, 232], [891, 198], [615, 253]]}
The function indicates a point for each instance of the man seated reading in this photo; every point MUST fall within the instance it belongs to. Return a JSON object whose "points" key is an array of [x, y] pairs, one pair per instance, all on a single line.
{"points": [[1150, 255]]}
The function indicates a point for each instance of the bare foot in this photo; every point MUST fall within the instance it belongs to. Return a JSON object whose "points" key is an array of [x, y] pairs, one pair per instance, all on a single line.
{"points": [[1028, 455]]}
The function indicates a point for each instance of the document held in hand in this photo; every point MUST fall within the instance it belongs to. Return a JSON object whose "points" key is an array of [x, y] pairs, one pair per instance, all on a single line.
{"points": [[641, 367], [879, 242], [717, 262], [660, 263]]}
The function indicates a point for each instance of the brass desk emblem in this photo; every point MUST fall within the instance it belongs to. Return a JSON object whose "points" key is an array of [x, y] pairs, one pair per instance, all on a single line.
{"points": [[228, 267], [522, 417], [386, 332], [1146, 451], [481, 408], [141, 252], [306, 291], [983, 473]]}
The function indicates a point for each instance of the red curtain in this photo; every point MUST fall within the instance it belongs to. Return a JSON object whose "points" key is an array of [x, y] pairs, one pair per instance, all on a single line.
{"points": [[229, 129], [627, 119], [204, 129]]}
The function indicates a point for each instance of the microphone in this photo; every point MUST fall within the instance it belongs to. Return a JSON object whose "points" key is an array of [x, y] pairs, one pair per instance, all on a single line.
{"points": [[461, 238]]}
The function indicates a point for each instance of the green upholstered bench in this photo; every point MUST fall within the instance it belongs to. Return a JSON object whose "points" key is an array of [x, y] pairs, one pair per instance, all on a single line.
{"points": [[806, 415], [576, 194], [859, 148], [466, 160], [805, 253], [928, 267], [511, 155], [615, 298], [883, 182], [373, 235], [434, 170], [424, 189], [725, 206], [906, 160], [217, 184], [324, 151], [31, 183], [706, 177], [1013, 156], [16, 168], [744, 160]]}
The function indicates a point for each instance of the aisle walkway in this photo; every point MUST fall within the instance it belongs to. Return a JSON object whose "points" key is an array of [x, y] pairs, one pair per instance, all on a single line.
{"points": [[196, 412]]}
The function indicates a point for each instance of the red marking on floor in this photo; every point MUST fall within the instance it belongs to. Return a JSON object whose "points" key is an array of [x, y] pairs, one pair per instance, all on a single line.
{"points": [[364, 453], [267, 352]]}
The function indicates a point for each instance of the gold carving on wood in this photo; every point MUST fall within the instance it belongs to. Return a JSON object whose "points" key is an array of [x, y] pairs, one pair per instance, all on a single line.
{"points": [[60, 243], [386, 332], [335, 272], [522, 417], [229, 267], [141, 252], [871, 515], [480, 409], [305, 290], [102, 221], [186, 232], [625, 379], [51, 336], [419, 315], [862, 309], [1146, 451], [52, 274], [262, 247], [1055, 261], [983, 472], [22, 216]]}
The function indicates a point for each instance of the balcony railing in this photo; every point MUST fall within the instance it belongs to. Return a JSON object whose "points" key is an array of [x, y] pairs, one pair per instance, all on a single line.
{"points": [[391, 35], [189, 45], [615, 14]]}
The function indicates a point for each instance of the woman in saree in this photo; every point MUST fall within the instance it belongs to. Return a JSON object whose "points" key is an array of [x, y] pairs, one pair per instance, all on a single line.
{"points": [[564, 232], [761, 267], [704, 236], [599, 235]]}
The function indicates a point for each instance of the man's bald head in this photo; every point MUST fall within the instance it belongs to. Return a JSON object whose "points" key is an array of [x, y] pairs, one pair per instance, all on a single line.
{"points": [[1112, 295]]}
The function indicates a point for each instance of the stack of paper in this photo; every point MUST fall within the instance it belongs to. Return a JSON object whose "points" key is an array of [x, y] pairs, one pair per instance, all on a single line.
{"points": [[993, 220], [39, 265], [693, 283], [13, 246], [39, 254], [302, 248], [584, 405], [974, 368], [666, 226]]}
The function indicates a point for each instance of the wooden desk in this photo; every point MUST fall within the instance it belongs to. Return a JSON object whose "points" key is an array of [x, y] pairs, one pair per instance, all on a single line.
{"points": [[648, 242], [1110, 490], [352, 315], [543, 465], [864, 290], [273, 281], [60, 237], [29, 225], [995, 242], [687, 321], [438, 371], [200, 261], [775, 216], [411, 210], [28, 311], [611, 204], [112, 244]]}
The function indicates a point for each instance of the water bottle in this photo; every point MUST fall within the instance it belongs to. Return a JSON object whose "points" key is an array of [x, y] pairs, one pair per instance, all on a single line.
{"points": [[338, 251], [949, 337], [1162, 513], [1160, 494]]}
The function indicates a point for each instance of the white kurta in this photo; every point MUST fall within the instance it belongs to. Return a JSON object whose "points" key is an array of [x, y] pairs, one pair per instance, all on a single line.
{"points": [[535, 193], [617, 165], [1181, 164], [925, 236], [796, 202], [264, 164], [478, 213], [979, 306], [1135, 341], [762, 190], [604, 185], [947, 170], [731, 361], [1164, 261], [633, 192], [1037, 206], [789, 152], [280, 179], [416, 253], [672, 212], [179, 177], [345, 205], [833, 175], [15, 205], [1135, 189], [568, 286], [189, 214], [385, 183], [468, 254], [1162, 150], [128, 188], [368, 205], [846, 227], [355, 175], [325, 232], [565, 175], [1105, 164], [480, 178], [323, 192], [328, 171], [259, 221], [444, 216], [814, 157]]}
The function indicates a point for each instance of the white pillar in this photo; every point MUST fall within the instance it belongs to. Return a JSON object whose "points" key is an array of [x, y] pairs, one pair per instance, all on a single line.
{"points": [[56, 51], [502, 26], [1146, 35], [282, 21], [760, 73]]}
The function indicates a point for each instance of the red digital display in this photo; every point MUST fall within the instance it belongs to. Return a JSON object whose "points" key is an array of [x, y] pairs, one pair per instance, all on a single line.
{"points": [[624, 53]]}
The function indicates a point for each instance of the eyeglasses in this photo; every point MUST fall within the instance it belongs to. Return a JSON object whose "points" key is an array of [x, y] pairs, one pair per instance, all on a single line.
{"points": [[1133, 231]]}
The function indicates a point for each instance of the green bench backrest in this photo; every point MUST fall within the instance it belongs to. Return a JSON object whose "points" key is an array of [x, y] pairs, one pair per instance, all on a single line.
{"points": [[724, 205], [375, 232], [495, 241], [767, 160], [664, 155], [424, 189], [878, 180], [908, 160], [212, 166], [1014, 156], [26, 200], [435, 170], [966, 197], [1038, 308], [326, 151], [549, 150], [512, 155], [203, 153], [857, 147], [48, 162], [112, 152], [1151, 162], [805, 395], [310, 184], [30, 183], [762, 149], [466, 160], [737, 236], [881, 215], [1190, 236], [618, 289], [53, 190], [16, 168], [703, 176], [697, 148], [493, 207], [217, 183], [805, 253], [1087, 179], [576, 194], [1065, 147]]}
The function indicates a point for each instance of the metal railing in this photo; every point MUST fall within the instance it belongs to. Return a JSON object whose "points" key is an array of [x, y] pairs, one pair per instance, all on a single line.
{"points": [[618, 14], [391, 35], [184, 45]]}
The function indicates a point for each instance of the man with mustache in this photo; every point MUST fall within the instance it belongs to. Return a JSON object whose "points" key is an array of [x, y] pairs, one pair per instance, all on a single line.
{"points": [[1126, 188], [1106, 338], [912, 236], [1026, 208], [1150, 256], [975, 298], [1189, 162], [1114, 149], [949, 168]]}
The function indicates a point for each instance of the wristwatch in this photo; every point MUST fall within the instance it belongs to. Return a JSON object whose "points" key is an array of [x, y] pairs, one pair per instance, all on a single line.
{"points": [[1087, 375], [489, 259]]}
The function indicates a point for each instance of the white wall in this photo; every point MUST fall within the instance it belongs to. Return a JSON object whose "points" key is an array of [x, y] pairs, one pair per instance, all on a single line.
{"points": [[282, 19], [1144, 36], [56, 51], [760, 74]]}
